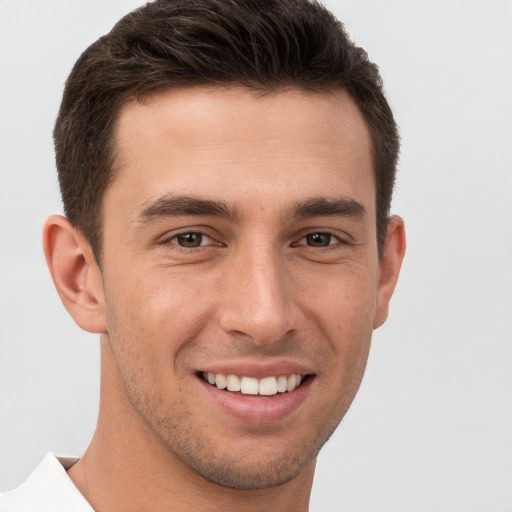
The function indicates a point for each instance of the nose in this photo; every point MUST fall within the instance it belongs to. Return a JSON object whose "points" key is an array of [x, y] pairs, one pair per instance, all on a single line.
{"points": [[258, 299]]}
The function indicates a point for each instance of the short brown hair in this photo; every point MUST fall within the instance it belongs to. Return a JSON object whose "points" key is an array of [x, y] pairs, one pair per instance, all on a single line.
{"points": [[263, 45]]}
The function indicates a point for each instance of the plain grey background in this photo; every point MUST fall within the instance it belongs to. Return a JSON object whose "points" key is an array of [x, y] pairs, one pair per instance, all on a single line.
{"points": [[431, 428]]}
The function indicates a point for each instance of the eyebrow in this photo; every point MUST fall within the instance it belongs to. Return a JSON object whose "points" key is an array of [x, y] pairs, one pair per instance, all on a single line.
{"points": [[337, 207], [175, 206]]}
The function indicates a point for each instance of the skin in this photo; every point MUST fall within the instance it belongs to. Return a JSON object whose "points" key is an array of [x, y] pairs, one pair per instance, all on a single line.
{"points": [[273, 284]]}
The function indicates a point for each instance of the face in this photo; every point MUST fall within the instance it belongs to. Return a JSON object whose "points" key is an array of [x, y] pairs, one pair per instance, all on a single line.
{"points": [[240, 252]]}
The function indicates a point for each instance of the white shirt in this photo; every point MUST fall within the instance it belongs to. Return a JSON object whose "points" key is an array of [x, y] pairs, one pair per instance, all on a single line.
{"points": [[47, 489]]}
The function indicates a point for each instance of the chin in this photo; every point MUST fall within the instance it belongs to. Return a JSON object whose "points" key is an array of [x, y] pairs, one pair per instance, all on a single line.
{"points": [[257, 464], [234, 473]]}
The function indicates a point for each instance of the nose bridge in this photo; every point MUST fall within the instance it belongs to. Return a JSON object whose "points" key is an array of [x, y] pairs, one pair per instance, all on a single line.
{"points": [[257, 297]]}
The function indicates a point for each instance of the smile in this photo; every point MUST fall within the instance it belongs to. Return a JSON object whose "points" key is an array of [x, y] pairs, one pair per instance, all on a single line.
{"points": [[262, 396], [267, 386]]}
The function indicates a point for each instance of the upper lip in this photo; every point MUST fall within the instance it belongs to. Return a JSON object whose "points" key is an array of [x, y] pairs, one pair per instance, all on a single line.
{"points": [[257, 369]]}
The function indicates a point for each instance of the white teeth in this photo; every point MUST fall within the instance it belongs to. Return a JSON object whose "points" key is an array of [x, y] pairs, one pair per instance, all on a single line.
{"points": [[282, 383], [267, 386], [249, 386], [221, 381], [292, 381], [233, 383]]}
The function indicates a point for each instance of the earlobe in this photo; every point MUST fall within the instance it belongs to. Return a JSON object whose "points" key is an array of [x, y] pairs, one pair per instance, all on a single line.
{"points": [[389, 268], [75, 273]]}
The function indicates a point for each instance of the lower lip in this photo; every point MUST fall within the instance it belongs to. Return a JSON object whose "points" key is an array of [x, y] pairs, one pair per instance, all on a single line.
{"points": [[257, 409]]}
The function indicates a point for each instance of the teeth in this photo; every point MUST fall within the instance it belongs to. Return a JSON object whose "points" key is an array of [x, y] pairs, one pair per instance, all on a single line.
{"points": [[291, 383], [233, 383], [267, 386], [282, 384], [249, 386], [220, 381]]}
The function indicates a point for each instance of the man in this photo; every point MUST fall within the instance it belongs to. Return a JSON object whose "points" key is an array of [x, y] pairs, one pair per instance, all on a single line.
{"points": [[226, 169]]}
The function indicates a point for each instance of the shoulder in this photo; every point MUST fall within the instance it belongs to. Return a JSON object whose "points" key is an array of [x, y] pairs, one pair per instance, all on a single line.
{"points": [[47, 489]]}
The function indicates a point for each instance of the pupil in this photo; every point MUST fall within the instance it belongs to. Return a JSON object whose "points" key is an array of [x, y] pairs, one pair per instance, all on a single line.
{"points": [[190, 239], [319, 239]]}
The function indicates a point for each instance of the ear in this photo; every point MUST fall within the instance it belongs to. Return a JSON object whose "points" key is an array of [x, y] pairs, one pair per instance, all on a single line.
{"points": [[75, 273], [389, 268]]}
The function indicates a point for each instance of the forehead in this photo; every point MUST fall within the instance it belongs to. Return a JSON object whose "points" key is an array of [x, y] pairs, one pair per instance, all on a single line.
{"points": [[234, 143]]}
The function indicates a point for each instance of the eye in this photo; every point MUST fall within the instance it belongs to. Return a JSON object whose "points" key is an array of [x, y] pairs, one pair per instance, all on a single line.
{"points": [[191, 239], [318, 239]]}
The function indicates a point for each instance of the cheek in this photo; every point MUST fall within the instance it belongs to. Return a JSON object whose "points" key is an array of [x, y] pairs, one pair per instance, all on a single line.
{"points": [[342, 314], [156, 316], [342, 300], [147, 328]]}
